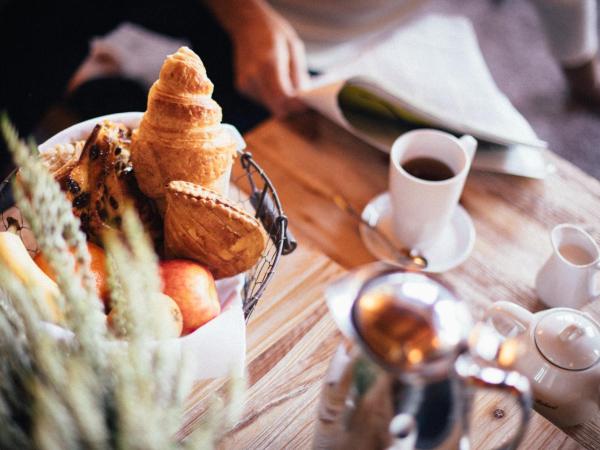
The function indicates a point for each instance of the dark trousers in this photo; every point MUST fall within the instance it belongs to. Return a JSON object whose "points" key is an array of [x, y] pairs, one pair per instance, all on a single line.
{"points": [[43, 42]]}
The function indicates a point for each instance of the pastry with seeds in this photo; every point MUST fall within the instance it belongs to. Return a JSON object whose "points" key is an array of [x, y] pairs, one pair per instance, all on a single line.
{"points": [[102, 182]]}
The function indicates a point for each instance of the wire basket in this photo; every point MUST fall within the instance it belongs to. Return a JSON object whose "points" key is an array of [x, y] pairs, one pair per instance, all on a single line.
{"points": [[258, 193], [254, 190]]}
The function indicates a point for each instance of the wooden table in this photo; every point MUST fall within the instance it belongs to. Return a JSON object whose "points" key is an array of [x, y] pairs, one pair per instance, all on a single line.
{"points": [[291, 337]]}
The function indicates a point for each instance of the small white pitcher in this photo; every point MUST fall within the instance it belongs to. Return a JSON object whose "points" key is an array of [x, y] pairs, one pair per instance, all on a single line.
{"points": [[569, 276]]}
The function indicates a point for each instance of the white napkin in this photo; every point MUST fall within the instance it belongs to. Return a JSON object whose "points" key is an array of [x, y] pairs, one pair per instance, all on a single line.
{"points": [[128, 50]]}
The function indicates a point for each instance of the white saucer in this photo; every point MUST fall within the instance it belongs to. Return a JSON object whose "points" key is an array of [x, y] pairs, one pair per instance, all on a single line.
{"points": [[451, 249]]}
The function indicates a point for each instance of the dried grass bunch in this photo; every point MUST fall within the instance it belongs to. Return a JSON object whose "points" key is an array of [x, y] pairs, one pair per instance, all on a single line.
{"points": [[91, 391]]}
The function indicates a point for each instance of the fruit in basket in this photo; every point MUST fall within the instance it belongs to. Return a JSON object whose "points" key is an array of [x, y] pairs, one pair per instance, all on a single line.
{"points": [[193, 288], [180, 136], [15, 257], [164, 315], [97, 266], [211, 229]]}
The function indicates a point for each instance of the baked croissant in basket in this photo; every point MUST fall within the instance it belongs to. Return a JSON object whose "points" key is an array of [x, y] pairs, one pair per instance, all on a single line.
{"points": [[180, 136]]}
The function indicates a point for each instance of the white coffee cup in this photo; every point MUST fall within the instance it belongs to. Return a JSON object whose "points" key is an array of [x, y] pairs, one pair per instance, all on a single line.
{"points": [[570, 275], [422, 209]]}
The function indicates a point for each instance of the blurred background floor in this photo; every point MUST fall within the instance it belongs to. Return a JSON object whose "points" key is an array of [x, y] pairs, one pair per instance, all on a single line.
{"points": [[512, 43]]}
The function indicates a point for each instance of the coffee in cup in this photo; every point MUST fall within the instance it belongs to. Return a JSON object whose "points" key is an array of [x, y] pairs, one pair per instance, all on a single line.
{"points": [[430, 169]]}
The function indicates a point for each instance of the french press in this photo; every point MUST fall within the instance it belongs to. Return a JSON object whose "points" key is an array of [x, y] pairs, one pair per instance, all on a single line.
{"points": [[403, 377]]}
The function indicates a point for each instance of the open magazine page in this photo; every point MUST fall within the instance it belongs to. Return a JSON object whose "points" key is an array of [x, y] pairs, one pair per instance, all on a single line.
{"points": [[432, 71]]}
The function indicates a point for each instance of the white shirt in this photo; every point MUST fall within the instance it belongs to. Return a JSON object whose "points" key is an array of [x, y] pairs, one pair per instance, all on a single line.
{"points": [[333, 30]]}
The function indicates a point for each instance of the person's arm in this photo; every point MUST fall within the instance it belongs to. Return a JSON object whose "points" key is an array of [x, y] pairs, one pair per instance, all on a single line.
{"points": [[571, 28], [269, 57]]}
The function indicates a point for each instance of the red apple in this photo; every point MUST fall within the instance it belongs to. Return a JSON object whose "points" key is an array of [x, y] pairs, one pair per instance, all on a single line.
{"points": [[193, 288]]}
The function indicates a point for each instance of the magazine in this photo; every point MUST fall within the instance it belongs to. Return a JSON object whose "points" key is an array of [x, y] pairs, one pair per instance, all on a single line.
{"points": [[429, 73]]}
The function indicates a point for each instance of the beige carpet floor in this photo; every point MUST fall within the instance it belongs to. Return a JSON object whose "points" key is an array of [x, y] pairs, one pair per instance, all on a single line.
{"points": [[513, 46]]}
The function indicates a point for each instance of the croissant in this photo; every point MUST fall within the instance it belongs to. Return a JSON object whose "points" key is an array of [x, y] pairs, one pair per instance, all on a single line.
{"points": [[180, 136]]}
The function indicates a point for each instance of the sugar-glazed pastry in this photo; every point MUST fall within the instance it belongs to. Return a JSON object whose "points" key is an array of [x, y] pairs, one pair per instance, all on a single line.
{"points": [[180, 136], [204, 226], [102, 182]]}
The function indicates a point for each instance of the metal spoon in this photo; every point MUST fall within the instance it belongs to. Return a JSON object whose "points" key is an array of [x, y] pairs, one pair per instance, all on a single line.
{"points": [[408, 258]]}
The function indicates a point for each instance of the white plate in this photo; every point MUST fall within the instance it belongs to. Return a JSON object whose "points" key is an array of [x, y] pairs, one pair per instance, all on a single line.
{"points": [[451, 249]]}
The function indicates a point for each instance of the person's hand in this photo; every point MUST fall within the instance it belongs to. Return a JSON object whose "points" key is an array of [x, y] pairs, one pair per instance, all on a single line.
{"points": [[269, 58], [270, 62]]}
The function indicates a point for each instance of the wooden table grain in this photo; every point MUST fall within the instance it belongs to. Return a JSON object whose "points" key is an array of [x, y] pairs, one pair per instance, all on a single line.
{"points": [[291, 337]]}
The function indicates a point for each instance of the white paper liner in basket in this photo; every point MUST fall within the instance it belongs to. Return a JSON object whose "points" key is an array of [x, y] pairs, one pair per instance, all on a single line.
{"points": [[216, 349]]}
